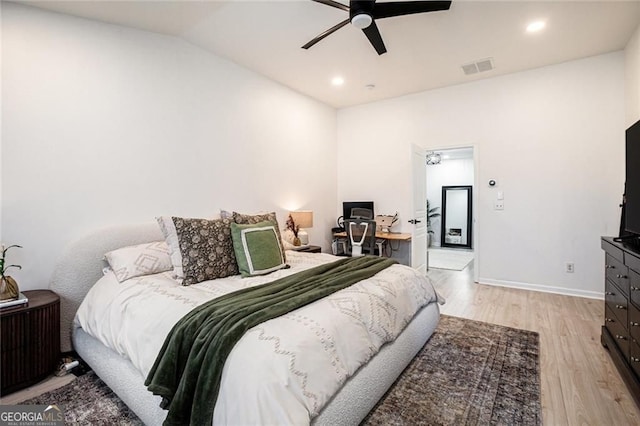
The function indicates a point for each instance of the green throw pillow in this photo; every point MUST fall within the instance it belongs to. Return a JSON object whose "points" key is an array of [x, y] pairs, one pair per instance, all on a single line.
{"points": [[257, 248]]}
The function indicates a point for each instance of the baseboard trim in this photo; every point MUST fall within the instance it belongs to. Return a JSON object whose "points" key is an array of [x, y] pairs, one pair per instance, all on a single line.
{"points": [[543, 288]]}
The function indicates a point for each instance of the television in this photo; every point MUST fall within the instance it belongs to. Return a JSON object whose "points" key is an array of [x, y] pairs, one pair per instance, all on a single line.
{"points": [[632, 185], [357, 210]]}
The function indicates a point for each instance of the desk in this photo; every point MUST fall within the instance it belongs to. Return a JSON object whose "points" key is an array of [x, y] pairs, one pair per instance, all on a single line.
{"points": [[391, 236], [402, 253]]}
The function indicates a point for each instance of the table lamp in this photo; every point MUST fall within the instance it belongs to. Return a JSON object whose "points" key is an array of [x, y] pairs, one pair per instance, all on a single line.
{"points": [[303, 219]]}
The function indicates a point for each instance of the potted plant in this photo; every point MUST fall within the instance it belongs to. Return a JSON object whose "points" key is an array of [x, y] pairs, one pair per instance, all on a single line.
{"points": [[431, 214], [291, 226], [8, 286]]}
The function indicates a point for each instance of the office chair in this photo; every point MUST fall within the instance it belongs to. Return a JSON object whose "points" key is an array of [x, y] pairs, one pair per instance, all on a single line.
{"points": [[361, 237]]}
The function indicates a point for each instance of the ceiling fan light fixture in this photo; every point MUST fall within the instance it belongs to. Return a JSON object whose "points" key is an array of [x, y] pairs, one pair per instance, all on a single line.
{"points": [[363, 15], [361, 20]]}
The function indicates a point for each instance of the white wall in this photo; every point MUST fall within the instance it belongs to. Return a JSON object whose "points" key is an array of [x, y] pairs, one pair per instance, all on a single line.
{"points": [[447, 173], [632, 78], [552, 138], [105, 125]]}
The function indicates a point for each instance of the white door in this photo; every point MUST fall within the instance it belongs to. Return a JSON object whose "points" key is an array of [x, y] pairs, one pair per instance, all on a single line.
{"points": [[419, 219]]}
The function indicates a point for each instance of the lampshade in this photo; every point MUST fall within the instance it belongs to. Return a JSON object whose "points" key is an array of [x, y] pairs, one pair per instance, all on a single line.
{"points": [[303, 218]]}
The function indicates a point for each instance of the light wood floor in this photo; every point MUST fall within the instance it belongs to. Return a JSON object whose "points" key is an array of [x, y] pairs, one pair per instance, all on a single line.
{"points": [[47, 385], [580, 385]]}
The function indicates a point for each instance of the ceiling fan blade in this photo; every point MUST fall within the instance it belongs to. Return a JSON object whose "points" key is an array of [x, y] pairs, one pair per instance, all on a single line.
{"points": [[333, 4], [326, 33], [399, 8], [373, 34]]}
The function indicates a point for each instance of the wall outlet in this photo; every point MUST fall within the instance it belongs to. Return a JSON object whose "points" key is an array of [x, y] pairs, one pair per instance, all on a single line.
{"points": [[569, 267], [498, 205]]}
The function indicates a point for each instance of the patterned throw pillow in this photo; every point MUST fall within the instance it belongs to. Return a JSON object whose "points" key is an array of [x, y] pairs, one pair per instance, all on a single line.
{"points": [[138, 260], [257, 218], [206, 248], [257, 248]]}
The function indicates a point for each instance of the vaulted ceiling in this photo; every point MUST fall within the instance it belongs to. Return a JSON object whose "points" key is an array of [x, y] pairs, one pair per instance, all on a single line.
{"points": [[425, 51]]}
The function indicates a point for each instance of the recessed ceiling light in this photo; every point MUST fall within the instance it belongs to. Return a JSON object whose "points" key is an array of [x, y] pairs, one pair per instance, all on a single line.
{"points": [[536, 26], [337, 81]]}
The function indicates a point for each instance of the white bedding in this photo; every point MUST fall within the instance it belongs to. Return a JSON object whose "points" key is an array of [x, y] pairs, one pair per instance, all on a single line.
{"points": [[310, 352]]}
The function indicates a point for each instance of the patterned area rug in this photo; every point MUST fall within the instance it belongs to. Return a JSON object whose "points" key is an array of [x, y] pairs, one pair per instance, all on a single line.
{"points": [[88, 401], [469, 373]]}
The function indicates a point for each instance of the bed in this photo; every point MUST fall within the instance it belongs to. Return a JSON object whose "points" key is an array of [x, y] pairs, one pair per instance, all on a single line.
{"points": [[81, 268]]}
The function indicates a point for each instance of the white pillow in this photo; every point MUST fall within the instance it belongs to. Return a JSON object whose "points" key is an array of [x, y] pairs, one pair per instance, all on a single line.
{"points": [[168, 229], [138, 260]]}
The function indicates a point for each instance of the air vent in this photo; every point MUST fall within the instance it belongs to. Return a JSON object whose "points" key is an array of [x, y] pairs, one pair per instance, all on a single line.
{"points": [[470, 69], [481, 65]]}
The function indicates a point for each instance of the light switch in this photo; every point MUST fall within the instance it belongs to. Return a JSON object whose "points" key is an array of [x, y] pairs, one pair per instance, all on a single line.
{"points": [[500, 195]]}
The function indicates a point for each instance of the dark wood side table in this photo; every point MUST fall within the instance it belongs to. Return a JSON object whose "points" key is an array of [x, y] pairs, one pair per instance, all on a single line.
{"points": [[29, 341], [309, 249]]}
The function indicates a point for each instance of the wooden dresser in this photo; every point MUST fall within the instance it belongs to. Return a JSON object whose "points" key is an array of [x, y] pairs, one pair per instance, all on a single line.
{"points": [[621, 329], [30, 341]]}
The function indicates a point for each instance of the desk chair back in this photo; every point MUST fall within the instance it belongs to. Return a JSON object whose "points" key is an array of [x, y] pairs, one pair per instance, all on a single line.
{"points": [[361, 236]]}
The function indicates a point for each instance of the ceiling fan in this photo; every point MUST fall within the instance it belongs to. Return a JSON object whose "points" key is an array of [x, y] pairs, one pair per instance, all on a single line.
{"points": [[363, 15]]}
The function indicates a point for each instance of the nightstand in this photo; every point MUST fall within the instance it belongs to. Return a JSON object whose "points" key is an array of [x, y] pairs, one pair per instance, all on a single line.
{"points": [[30, 341], [309, 249]]}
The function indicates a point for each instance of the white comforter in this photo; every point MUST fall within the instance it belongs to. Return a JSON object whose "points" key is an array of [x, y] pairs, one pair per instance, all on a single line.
{"points": [[281, 372]]}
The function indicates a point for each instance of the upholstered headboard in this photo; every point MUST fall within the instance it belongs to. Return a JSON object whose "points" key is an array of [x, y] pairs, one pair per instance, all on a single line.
{"points": [[81, 266]]}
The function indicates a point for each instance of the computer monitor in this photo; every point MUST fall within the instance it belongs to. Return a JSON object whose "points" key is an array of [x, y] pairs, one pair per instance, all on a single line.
{"points": [[357, 210]]}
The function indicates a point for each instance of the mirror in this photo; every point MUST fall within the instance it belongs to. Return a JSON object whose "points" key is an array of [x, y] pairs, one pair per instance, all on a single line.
{"points": [[456, 216]]}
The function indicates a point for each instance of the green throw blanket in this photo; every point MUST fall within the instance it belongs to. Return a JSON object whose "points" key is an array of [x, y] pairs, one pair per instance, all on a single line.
{"points": [[188, 369]]}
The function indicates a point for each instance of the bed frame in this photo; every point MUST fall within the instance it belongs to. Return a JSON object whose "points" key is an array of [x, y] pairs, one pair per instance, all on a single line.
{"points": [[81, 266]]}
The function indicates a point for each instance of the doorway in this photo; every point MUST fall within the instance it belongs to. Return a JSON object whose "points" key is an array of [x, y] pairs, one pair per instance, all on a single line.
{"points": [[452, 234]]}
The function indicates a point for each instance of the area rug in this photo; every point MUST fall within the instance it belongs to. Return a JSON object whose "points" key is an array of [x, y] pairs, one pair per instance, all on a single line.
{"points": [[88, 401], [469, 373], [455, 260]]}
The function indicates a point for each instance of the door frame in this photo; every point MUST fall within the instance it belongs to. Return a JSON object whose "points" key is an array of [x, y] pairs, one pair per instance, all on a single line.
{"points": [[476, 243]]}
